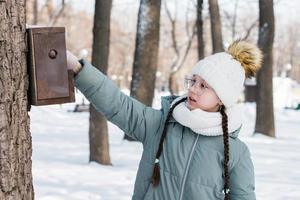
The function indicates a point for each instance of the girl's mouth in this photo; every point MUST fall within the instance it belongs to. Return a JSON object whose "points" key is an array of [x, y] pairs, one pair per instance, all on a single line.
{"points": [[191, 99]]}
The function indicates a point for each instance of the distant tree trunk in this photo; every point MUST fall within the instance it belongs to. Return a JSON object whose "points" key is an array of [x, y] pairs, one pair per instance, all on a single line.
{"points": [[234, 18], [98, 130], [264, 97], [173, 83], [250, 89], [200, 30], [180, 55], [35, 12], [216, 26], [250, 93], [146, 52], [15, 140]]}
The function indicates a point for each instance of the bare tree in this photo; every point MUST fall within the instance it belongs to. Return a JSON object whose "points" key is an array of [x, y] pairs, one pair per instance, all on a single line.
{"points": [[180, 53], [250, 29], [15, 141], [232, 18], [264, 93], [98, 130], [216, 26], [201, 44], [35, 12], [146, 52], [244, 33], [48, 13], [32, 12], [55, 14]]}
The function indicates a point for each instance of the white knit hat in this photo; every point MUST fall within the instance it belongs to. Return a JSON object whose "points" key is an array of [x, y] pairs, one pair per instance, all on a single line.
{"points": [[225, 72]]}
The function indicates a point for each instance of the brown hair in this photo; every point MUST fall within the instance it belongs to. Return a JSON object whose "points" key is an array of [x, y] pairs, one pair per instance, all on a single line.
{"points": [[156, 173]]}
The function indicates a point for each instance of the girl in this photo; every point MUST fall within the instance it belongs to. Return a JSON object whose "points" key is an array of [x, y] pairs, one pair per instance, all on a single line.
{"points": [[191, 146]]}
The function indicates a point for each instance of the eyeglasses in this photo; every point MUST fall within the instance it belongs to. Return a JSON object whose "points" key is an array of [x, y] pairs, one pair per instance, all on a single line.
{"points": [[201, 86]]}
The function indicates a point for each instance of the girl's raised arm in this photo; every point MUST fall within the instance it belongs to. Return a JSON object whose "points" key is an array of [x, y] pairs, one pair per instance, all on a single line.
{"points": [[133, 117]]}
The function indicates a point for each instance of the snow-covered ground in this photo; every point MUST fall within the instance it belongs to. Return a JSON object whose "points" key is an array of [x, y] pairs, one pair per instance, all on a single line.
{"points": [[61, 169]]}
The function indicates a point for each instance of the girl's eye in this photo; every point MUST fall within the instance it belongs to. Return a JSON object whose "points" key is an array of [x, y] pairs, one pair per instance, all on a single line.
{"points": [[203, 85]]}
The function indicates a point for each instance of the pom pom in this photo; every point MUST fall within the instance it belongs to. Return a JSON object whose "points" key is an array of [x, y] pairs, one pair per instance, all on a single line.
{"points": [[248, 54]]}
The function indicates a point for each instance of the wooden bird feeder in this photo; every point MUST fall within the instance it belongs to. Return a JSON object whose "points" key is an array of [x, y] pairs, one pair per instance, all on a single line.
{"points": [[50, 81]]}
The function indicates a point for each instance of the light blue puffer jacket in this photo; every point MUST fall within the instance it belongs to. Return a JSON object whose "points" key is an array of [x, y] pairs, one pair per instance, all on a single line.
{"points": [[190, 164]]}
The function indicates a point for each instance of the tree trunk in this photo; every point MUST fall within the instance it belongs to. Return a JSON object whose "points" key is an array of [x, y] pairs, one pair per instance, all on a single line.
{"points": [[200, 30], [15, 138], [173, 85], [216, 26], [180, 56], [35, 12], [264, 97], [146, 52], [98, 130], [250, 93]]}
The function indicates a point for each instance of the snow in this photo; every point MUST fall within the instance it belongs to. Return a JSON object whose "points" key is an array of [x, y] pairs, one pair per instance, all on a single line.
{"points": [[60, 156], [285, 92], [276, 161]]}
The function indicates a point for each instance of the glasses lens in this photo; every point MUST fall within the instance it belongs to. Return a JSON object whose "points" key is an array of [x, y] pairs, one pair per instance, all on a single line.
{"points": [[187, 81]]}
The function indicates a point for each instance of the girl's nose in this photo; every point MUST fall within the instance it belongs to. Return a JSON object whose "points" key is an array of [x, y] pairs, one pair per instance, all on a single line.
{"points": [[195, 90]]}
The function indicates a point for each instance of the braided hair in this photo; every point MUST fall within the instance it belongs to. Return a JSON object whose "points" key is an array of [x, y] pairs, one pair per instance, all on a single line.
{"points": [[226, 150], [156, 173]]}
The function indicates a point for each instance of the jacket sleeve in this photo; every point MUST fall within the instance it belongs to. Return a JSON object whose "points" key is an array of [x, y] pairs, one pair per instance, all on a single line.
{"points": [[134, 118], [242, 179]]}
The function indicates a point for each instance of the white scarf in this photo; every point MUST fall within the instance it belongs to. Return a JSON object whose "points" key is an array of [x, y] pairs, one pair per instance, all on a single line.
{"points": [[203, 122]]}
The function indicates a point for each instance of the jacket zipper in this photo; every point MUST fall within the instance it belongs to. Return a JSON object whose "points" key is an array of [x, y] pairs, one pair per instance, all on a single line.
{"points": [[187, 168]]}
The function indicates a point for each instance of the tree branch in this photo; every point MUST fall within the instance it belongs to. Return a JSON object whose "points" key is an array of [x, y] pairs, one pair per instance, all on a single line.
{"points": [[54, 17]]}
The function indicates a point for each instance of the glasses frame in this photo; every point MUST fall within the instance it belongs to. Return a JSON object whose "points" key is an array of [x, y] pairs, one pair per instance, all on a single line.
{"points": [[200, 90]]}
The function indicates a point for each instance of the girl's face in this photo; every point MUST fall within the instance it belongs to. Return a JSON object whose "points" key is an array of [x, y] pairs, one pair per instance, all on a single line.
{"points": [[201, 95]]}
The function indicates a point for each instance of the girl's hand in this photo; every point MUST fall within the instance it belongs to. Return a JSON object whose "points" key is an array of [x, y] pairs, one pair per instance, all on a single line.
{"points": [[73, 63]]}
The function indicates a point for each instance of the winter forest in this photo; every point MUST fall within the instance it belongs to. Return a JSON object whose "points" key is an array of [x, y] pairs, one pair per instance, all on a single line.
{"points": [[65, 148]]}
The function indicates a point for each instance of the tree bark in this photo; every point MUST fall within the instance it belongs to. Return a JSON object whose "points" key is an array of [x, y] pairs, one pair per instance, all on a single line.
{"points": [[98, 130], [15, 137], [264, 97], [216, 26], [146, 52], [200, 39]]}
